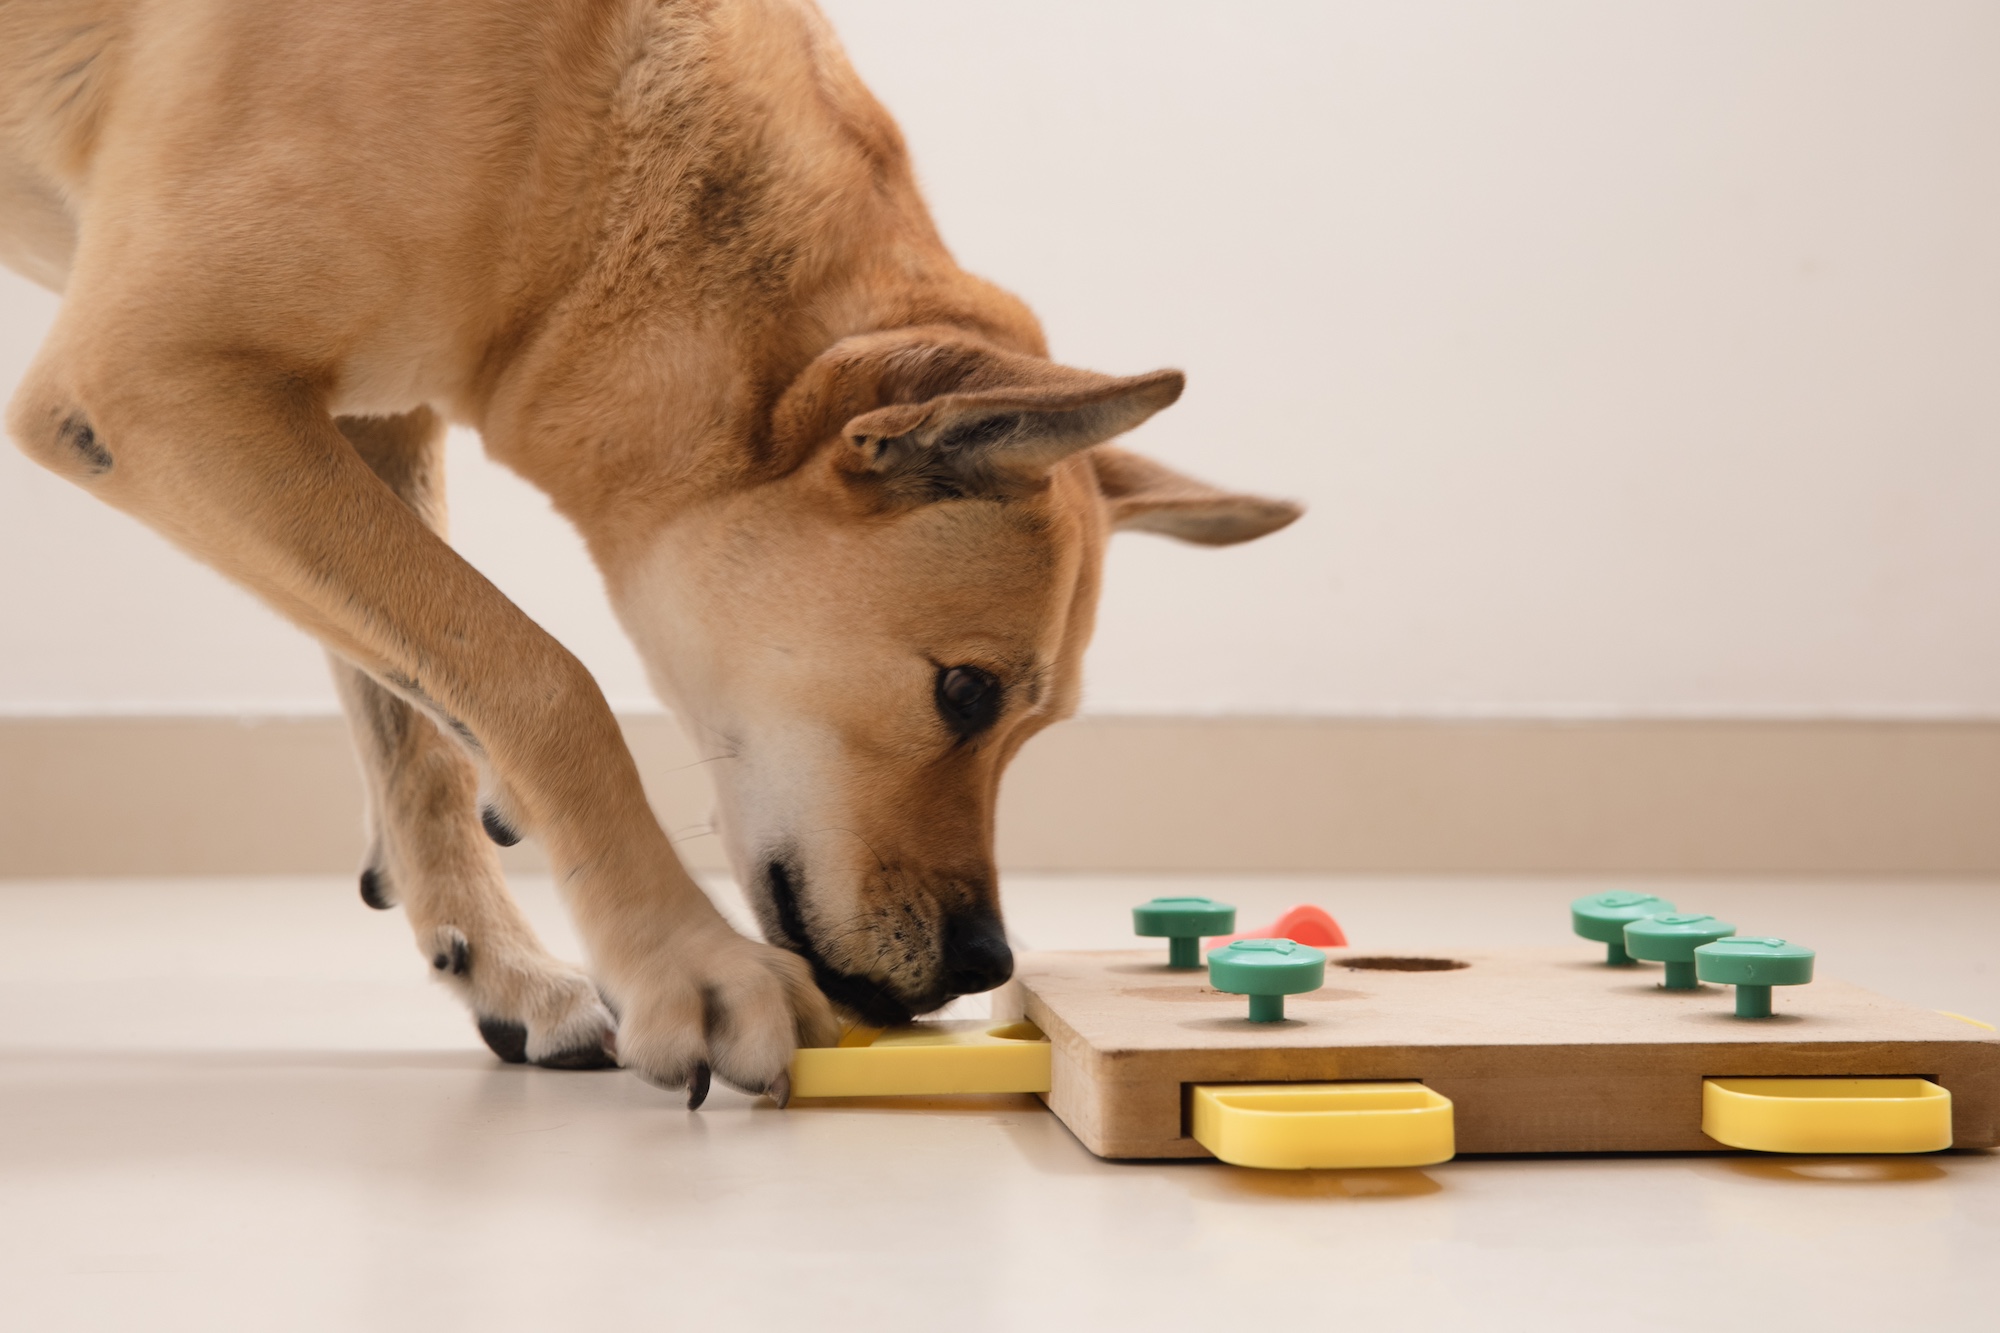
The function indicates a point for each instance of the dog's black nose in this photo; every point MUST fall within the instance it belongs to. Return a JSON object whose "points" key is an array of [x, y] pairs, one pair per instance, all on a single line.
{"points": [[976, 956]]}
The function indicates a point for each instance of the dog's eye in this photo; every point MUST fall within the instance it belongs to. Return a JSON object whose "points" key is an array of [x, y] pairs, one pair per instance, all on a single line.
{"points": [[967, 698]]}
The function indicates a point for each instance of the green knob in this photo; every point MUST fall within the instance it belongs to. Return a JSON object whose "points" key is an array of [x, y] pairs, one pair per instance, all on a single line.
{"points": [[1267, 971], [1753, 964], [1183, 921], [1603, 917], [1672, 939]]}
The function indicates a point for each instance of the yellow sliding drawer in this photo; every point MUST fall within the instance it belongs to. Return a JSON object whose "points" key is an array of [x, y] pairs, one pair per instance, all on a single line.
{"points": [[1294, 1126], [926, 1059], [1827, 1115]]}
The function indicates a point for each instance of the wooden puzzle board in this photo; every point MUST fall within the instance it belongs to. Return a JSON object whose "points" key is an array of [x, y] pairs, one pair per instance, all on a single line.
{"points": [[1541, 1051]]}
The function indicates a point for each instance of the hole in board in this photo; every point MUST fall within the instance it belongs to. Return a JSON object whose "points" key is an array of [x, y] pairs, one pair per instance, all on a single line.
{"points": [[1017, 1032], [1388, 964]]}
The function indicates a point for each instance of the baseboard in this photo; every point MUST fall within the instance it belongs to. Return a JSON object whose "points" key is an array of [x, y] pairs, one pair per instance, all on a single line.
{"points": [[201, 795]]}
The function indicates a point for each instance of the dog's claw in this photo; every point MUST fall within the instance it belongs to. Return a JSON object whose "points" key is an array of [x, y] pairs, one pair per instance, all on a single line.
{"points": [[698, 1086], [780, 1090], [498, 829], [375, 890]]}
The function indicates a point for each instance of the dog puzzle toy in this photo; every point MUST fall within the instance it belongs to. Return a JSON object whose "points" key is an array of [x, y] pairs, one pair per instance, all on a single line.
{"points": [[1672, 940], [1266, 971], [1184, 922], [1604, 916], [1544, 1052], [1753, 964]]}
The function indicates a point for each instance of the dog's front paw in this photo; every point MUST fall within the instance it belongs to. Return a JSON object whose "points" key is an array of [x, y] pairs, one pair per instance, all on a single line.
{"points": [[530, 1008], [711, 1000]]}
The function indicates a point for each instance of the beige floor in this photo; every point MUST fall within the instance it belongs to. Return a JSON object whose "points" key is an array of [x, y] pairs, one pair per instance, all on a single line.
{"points": [[239, 1105]]}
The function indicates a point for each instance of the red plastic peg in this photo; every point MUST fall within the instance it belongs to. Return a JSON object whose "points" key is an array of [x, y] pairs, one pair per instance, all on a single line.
{"points": [[1304, 924]]}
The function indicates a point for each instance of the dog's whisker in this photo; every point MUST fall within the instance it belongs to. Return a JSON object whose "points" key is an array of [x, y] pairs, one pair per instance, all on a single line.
{"points": [[880, 864], [698, 763]]}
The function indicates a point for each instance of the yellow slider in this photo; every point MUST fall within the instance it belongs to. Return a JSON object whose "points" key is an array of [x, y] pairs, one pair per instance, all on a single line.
{"points": [[1300, 1126], [1827, 1115], [926, 1059]]}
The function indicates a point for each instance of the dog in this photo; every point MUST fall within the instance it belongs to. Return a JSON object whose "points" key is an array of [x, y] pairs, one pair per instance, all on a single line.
{"points": [[669, 259]]}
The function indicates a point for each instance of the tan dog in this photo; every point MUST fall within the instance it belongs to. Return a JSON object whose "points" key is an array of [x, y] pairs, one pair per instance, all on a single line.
{"points": [[668, 258]]}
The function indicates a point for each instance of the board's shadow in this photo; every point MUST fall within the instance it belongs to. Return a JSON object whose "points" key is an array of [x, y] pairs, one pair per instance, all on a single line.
{"points": [[1217, 1181]]}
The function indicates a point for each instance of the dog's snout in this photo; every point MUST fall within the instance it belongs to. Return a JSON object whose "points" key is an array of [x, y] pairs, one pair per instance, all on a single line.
{"points": [[976, 956]]}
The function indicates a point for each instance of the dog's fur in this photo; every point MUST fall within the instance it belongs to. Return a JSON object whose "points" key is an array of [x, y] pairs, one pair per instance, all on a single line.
{"points": [[668, 257]]}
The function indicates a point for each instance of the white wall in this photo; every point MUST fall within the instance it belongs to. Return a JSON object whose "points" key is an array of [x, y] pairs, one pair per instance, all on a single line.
{"points": [[1634, 359]]}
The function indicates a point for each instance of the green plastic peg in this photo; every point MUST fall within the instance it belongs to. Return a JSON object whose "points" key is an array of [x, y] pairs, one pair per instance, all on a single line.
{"points": [[1266, 971], [1753, 964], [1604, 916], [1672, 939], [1183, 921]]}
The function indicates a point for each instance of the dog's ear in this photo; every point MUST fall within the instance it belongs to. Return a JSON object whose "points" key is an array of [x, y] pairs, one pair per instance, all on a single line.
{"points": [[934, 413], [1151, 497], [990, 441]]}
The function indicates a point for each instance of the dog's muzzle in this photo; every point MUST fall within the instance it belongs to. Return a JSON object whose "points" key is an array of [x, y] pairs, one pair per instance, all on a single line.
{"points": [[976, 958]]}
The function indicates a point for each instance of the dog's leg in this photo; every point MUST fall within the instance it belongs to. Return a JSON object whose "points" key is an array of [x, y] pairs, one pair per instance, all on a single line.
{"points": [[238, 461], [426, 848]]}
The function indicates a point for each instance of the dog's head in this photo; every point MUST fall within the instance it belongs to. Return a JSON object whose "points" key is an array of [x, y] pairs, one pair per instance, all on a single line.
{"points": [[864, 641]]}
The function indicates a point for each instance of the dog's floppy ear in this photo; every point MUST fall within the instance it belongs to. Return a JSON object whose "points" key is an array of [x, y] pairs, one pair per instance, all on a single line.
{"points": [[934, 412], [1151, 497]]}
